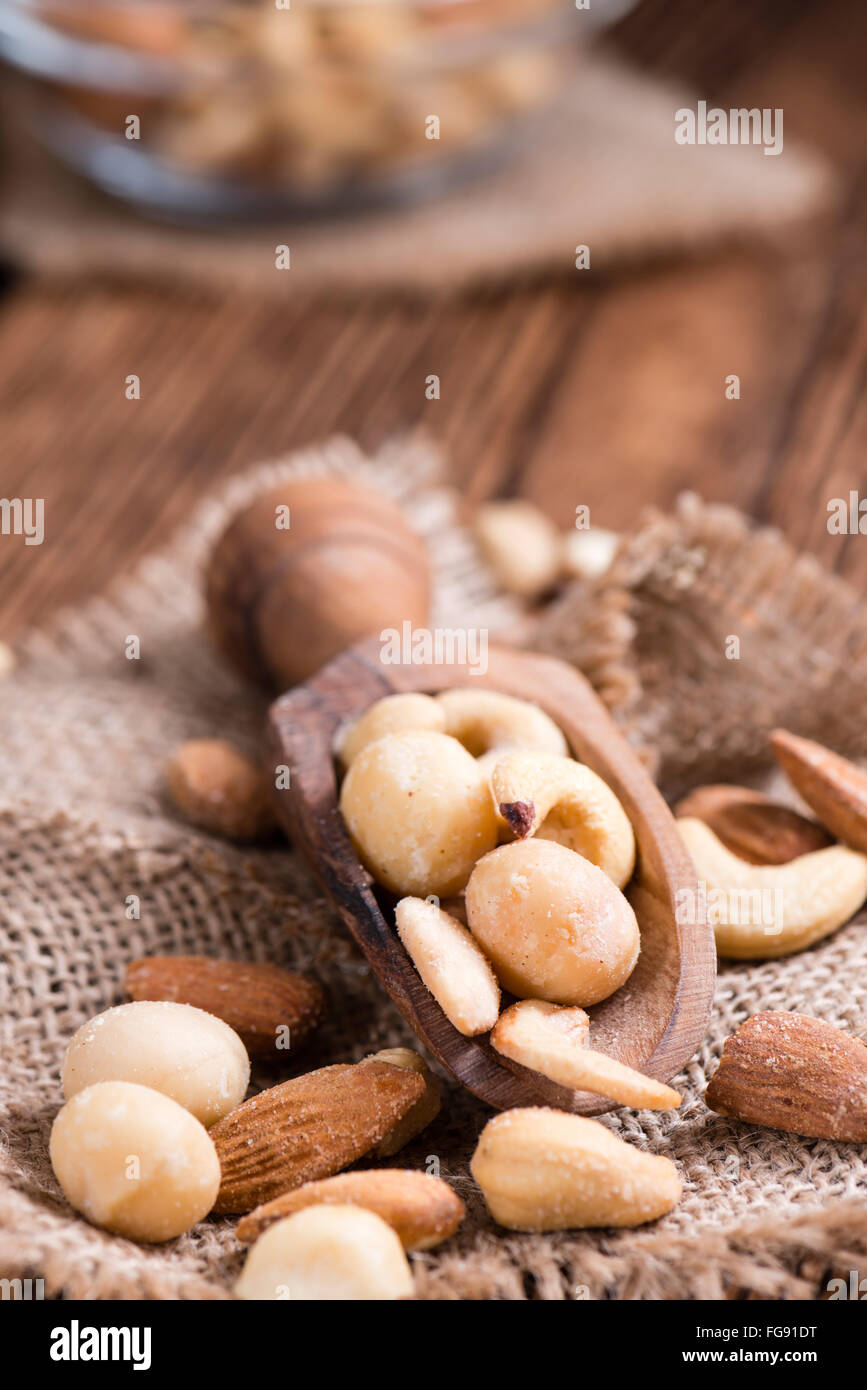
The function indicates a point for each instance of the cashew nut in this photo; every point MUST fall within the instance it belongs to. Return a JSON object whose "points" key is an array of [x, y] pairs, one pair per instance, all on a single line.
{"points": [[762, 911], [486, 764], [558, 799], [419, 812], [390, 715], [451, 964], [486, 719], [553, 1041]]}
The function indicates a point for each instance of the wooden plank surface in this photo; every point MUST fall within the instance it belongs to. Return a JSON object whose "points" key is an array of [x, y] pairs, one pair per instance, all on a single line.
{"points": [[608, 392]]}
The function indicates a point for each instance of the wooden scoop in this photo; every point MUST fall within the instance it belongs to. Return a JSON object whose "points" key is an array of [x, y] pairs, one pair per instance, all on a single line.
{"points": [[656, 1019]]}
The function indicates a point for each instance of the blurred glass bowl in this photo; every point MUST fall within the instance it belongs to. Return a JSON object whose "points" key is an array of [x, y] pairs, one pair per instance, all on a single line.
{"points": [[245, 107]]}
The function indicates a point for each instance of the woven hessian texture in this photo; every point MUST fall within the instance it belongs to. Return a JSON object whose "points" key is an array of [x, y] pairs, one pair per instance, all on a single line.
{"points": [[84, 825]]}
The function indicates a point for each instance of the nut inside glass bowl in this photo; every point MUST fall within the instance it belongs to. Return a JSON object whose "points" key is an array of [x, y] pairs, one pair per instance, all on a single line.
{"points": [[242, 107]]}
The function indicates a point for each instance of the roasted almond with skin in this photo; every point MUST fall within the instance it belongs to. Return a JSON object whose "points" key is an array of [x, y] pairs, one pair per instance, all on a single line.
{"points": [[751, 825], [308, 1128], [426, 1108], [796, 1073], [833, 787], [218, 788], [273, 1011], [422, 1209]]}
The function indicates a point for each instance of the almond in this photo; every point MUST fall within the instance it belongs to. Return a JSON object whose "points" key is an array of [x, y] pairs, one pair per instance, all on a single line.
{"points": [[426, 1108], [751, 825], [834, 788], [307, 1128], [272, 1010], [218, 788], [795, 1073], [544, 1170], [422, 1209]]}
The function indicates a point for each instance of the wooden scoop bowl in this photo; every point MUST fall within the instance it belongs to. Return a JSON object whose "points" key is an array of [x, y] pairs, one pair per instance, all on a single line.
{"points": [[656, 1019]]}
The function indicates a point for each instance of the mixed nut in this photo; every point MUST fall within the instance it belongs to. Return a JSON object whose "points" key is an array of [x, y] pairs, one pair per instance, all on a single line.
{"points": [[509, 860], [315, 98]]}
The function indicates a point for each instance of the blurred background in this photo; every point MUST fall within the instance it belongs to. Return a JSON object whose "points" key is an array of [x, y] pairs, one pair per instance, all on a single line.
{"points": [[430, 279]]}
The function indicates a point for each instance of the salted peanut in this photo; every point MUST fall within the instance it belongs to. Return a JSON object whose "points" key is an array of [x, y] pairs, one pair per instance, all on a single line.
{"points": [[588, 554], [543, 1170], [558, 799], [552, 1040], [422, 1113], [763, 911], [521, 546], [553, 926], [327, 1254], [392, 715], [419, 812], [421, 1209], [134, 1161], [451, 964], [486, 719], [181, 1051], [220, 789]]}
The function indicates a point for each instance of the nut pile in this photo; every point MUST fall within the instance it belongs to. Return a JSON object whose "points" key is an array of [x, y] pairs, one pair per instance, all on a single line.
{"points": [[472, 796], [776, 881], [320, 94], [431, 785]]}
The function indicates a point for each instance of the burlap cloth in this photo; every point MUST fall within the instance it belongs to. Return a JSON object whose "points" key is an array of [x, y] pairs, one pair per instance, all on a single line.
{"points": [[601, 169], [84, 826]]}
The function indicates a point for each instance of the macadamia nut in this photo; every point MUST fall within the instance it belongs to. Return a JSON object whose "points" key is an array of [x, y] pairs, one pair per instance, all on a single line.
{"points": [[134, 1161], [419, 811], [183, 1052], [327, 1254], [221, 790], [391, 715], [553, 926]]}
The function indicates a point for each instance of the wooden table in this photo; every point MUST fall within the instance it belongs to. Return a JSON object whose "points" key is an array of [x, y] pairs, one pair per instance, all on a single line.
{"points": [[609, 392]]}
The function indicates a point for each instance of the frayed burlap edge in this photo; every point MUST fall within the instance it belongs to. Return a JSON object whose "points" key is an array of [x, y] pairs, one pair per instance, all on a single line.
{"points": [[763, 1259], [686, 583]]}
